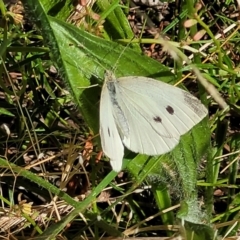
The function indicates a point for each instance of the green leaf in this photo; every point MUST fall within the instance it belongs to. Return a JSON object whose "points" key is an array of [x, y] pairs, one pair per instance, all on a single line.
{"points": [[116, 24], [4, 111]]}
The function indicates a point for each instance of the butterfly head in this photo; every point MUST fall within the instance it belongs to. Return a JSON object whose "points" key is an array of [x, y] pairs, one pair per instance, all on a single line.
{"points": [[109, 76]]}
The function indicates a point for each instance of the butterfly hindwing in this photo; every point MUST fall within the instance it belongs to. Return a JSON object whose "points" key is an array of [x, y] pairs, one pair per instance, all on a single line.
{"points": [[111, 142]]}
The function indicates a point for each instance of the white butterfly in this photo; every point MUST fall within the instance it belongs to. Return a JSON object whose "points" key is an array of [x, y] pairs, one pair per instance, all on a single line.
{"points": [[145, 115]]}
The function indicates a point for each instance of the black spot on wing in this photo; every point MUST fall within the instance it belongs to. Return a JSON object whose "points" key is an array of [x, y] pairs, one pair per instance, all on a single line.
{"points": [[109, 133], [170, 110], [157, 119]]}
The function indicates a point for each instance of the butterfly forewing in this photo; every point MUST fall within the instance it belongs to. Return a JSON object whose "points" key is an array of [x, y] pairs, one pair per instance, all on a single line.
{"points": [[157, 114]]}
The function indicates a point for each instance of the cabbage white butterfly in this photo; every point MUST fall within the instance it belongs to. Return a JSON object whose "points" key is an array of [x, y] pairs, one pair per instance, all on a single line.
{"points": [[145, 115]]}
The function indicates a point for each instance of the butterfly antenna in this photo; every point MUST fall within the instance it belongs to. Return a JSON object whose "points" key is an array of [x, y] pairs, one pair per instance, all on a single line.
{"points": [[141, 33], [115, 65]]}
